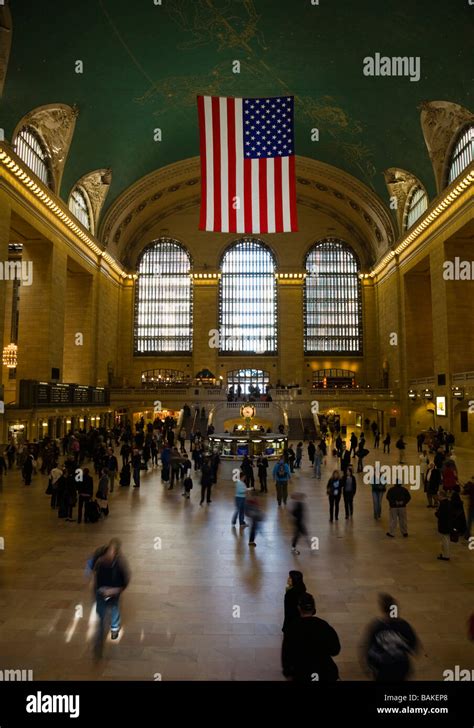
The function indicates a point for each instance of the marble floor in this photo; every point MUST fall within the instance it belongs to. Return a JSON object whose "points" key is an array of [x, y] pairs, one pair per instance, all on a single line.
{"points": [[205, 606]]}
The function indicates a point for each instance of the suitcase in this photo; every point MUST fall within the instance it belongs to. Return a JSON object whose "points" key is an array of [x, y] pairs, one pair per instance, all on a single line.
{"points": [[92, 511]]}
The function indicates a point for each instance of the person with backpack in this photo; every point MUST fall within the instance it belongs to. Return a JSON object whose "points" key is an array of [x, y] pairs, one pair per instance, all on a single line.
{"points": [[386, 443], [400, 445], [334, 490], [349, 488], [54, 477], [389, 643], [362, 452], [281, 477], [398, 497], [112, 577]]}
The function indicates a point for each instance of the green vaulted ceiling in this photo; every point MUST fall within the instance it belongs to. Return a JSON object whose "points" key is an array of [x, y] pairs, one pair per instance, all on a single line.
{"points": [[145, 63]]}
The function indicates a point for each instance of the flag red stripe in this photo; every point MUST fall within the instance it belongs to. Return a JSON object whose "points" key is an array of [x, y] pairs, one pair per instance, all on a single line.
{"points": [[292, 185], [262, 182], [216, 145], [202, 147], [278, 197], [231, 164], [248, 195]]}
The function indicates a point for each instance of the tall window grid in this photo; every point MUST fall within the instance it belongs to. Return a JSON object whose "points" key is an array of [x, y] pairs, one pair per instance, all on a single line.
{"points": [[332, 300], [417, 204], [163, 300], [247, 378], [248, 300], [463, 153], [30, 149], [79, 207]]}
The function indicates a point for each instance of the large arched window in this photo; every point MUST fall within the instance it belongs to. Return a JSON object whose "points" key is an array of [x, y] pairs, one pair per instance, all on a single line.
{"points": [[246, 379], [247, 300], [416, 205], [333, 307], [163, 300], [463, 153], [79, 207], [31, 150]]}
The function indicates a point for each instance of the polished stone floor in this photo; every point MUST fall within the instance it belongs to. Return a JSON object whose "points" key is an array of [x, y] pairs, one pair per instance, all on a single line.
{"points": [[206, 607]]}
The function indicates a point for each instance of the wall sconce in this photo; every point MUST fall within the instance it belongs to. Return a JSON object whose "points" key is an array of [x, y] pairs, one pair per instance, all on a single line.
{"points": [[428, 394], [458, 392], [412, 394]]}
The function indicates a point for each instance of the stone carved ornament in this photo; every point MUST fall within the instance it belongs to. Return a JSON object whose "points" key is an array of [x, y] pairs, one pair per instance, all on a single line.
{"points": [[5, 42], [441, 121], [96, 185], [55, 124], [399, 184]]}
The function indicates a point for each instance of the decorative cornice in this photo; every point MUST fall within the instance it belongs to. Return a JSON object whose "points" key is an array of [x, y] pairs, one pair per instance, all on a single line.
{"points": [[441, 122], [37, 196], [55, 125], [461, 190], [400, 184], [97, 185]]}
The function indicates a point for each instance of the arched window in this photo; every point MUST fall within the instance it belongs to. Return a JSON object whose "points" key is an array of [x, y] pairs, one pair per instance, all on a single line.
{"points": [[79, 207], [247, 300], [332, 301], [31, 150], [248, 378], [416, 205], [163, 300], [463, 153]]}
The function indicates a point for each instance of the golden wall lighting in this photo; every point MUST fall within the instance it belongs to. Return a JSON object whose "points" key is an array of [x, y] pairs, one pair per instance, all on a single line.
{"points": [[10, 356]]}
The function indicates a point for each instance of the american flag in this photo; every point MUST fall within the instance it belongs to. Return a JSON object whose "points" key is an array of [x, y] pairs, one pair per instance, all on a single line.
{"points": [[247, 165]]}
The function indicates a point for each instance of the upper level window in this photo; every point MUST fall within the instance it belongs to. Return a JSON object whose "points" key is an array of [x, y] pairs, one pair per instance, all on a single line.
{"points": [[417, 203], [463, 154], [79, 207], [247, 300], [333, 304], [163, 300], [30, 149]]}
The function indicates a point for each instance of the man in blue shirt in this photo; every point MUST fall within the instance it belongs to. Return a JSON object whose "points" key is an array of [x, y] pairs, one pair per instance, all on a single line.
{"points": [[281, 476], [240, 494]]}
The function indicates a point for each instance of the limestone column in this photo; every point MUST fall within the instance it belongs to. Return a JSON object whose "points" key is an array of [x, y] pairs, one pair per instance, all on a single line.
{"points": [[290, 331], [42, 312], [441, 354], [205, 320]]}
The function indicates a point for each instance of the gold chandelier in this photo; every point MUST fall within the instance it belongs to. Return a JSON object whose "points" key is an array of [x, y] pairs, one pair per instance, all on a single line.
{"points": [[10, 356]]}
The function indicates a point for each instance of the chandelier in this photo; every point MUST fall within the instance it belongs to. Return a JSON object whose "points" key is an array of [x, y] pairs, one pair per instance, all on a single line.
{"points": [[10, 356]]}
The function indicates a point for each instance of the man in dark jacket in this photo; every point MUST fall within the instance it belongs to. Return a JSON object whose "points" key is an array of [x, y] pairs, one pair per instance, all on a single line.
{"points": [[345, 458], [206, 482], [398, 497], [111, 578], [309, 645]]}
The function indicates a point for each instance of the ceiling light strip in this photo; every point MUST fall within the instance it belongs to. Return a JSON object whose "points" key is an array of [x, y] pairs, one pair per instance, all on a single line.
{"points": [[43, 197], [428, 219]]}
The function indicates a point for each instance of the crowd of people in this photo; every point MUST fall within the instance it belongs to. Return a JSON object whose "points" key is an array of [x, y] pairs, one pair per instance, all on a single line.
{"points": [[309, 644]]}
